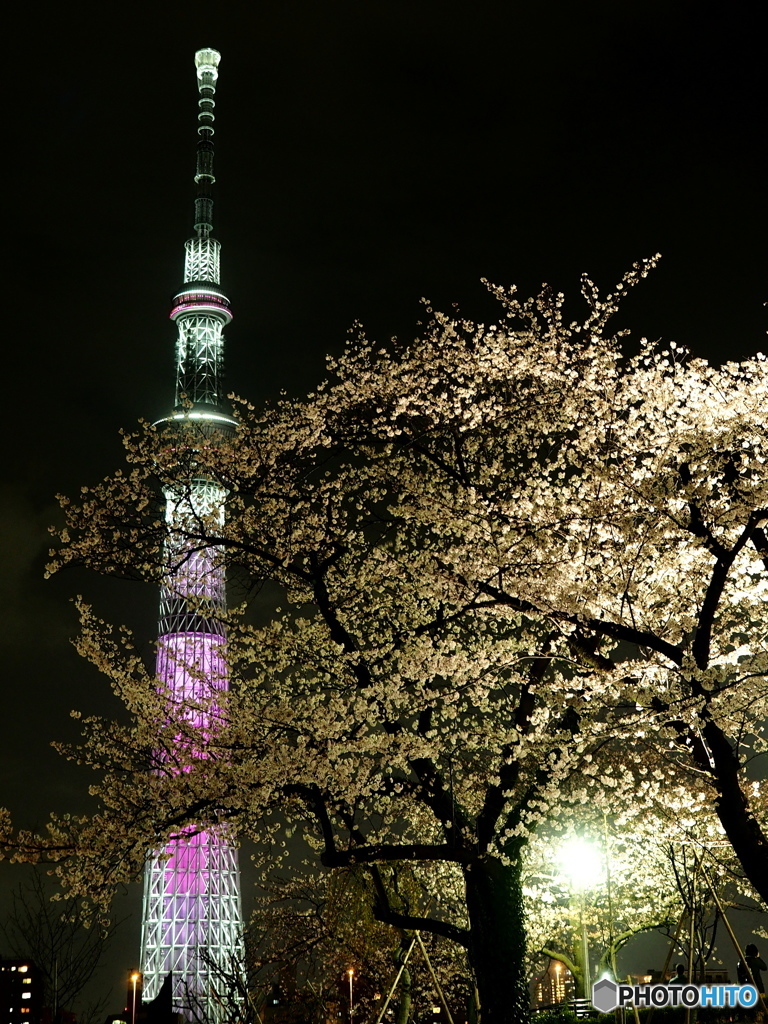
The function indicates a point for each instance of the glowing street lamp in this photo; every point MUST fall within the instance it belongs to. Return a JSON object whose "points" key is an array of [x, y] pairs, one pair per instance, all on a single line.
{"points": [[581, 862], [134, 981], [351, 973], [559, 983]]}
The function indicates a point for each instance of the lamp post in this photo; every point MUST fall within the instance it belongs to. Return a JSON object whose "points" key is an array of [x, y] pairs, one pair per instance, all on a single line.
{"points": [[581, 863], [559, 991], [134, 980], [351, 973]]}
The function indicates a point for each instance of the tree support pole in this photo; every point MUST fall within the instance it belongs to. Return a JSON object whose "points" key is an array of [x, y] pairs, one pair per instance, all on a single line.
{"points": [[730, 931], [383, 1010], [692, 930], [434, 978], [670, 951], [634, 1008]]}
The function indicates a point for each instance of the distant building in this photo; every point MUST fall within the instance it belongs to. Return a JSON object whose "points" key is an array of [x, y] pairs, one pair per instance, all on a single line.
{"points": [[21, 992], [552, 986], [653, 976]]}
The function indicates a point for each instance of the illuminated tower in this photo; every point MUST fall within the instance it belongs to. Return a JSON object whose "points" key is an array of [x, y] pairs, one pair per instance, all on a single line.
{"points": [[192, 920]]}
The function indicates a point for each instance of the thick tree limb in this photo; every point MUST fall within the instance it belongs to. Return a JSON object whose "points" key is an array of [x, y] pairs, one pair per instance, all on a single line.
{"points": [[383, 911], [604, 627], [376, 852], [702, 642]]}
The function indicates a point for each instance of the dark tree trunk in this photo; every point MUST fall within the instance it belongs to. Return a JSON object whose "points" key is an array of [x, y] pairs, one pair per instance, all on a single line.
{"points": [[497, 940]]}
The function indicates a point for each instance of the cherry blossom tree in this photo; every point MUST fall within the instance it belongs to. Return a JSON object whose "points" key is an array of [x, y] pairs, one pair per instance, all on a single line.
{"points": [[506, 560]]}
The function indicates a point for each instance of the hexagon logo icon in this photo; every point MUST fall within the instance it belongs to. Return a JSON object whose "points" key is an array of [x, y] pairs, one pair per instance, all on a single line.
{"points": [[605, 995]]}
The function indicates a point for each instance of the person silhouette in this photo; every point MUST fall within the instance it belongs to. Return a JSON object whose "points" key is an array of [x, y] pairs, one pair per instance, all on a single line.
{"points": [[680, 978], [756, 965]]}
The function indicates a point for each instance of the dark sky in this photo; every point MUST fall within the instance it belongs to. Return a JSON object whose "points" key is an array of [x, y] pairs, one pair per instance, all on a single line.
{"points": [[368, 154]]}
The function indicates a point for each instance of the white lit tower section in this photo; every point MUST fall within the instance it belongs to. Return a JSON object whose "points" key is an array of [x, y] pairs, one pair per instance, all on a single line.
{"points": [[192, 918]]}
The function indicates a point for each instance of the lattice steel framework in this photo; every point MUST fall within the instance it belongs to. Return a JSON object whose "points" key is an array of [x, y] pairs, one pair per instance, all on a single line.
{"points": [[192, 917]]}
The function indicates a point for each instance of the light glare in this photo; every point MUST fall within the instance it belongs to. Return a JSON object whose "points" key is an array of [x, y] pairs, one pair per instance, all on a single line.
{"points": [[581, 863]]}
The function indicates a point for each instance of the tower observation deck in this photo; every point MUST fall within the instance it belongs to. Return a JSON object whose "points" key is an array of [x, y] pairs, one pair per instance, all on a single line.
{"points": [[192, 926]]}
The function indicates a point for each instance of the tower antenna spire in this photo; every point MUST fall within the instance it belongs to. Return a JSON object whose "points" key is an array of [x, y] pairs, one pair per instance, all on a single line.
{"points": [[207, 64]]}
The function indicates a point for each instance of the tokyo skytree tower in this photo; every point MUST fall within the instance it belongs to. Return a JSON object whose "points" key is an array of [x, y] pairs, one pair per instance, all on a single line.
{"points": [[192, 918]]}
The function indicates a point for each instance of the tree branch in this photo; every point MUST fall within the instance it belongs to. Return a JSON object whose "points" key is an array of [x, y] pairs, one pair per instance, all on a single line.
{"points": [[376, 852], [701, 644], [604, 627], [382, 911]]}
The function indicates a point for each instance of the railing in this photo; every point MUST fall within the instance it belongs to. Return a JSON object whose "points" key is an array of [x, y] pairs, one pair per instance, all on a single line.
{"points": [[581, 1007]]}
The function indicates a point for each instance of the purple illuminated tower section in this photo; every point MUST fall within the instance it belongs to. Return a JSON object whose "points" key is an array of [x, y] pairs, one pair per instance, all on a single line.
{"points": [[192, 920]]}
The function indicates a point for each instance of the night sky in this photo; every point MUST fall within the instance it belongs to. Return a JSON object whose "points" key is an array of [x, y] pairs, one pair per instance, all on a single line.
{"points": [[367, 154]]}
